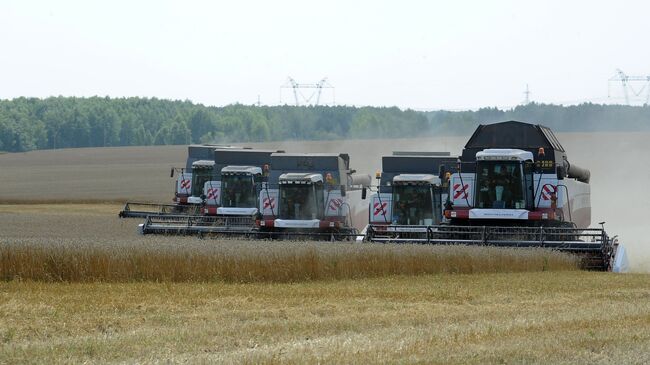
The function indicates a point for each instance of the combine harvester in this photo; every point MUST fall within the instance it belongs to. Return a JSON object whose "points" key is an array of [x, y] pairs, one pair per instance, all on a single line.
{"points": [[318, 196], [513, 186], [302, 195], [232, 189], [197, 167]]}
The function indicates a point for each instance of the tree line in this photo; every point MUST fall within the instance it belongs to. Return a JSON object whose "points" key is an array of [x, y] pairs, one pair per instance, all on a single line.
{"points": [[64, 122]]}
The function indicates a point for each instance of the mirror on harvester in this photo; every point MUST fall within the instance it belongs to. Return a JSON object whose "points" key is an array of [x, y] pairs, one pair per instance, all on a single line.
{"points": [[342, 190], [171, 174], [364, 191]]}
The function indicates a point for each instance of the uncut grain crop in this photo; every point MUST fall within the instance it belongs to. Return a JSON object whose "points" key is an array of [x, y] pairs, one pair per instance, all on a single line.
{"points": [[87, 243], [233, 261]]}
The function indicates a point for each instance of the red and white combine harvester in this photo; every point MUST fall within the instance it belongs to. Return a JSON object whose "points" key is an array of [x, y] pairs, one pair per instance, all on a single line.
{"points": [[313, 195], [513, 186], [233, 187], [186, 200]]}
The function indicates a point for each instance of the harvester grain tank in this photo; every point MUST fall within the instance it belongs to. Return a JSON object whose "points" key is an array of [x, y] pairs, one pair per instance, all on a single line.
{"points": [[410, 195], [317, 195]]}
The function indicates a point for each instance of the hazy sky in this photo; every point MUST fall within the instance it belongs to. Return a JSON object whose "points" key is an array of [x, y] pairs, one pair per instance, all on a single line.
{"points": [[418, 54]]}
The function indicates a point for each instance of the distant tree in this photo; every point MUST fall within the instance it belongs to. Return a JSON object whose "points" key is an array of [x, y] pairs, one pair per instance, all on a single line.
{"points": [[59, 122]]}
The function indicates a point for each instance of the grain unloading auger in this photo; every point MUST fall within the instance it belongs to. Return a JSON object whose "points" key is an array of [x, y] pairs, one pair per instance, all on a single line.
{"points": [[512, 186]]}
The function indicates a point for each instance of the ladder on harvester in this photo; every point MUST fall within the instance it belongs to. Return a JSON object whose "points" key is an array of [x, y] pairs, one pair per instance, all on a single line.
{"points": [[142, 210], [197, 225], [593, 245]]}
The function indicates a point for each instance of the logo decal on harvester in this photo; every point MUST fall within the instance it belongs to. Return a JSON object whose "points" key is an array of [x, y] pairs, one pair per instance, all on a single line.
{"points": [[380, 209], [458, 191], [547, 190], [335, 204], [213, 193], [185, 184], [269, 203]]}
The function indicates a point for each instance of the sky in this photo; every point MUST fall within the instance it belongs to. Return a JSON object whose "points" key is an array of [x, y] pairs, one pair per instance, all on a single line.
{"points": [[412, 54]]}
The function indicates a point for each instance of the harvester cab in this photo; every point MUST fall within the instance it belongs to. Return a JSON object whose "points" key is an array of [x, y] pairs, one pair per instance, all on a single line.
{"points": [[412, 189], [240, 187], [416, 199], [301, 198], [316, 195], [202, 172], [239, 183]]}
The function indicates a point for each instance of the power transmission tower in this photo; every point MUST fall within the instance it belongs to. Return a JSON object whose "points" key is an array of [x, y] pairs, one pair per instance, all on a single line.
{"points": [[630, 92], [312, 93]]}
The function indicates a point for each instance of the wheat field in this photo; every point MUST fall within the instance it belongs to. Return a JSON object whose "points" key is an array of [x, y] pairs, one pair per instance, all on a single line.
{"points": [[544, 317], [88, 243], [120, 297]]}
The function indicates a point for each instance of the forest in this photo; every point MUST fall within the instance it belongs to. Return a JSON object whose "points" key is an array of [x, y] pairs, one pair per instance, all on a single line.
{"points": [[67, 122]]}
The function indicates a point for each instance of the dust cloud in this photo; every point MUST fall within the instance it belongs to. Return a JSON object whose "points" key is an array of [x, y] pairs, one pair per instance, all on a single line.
{"points": [[620, 175]]}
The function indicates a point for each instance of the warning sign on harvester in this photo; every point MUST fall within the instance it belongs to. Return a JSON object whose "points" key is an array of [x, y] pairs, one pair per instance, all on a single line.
{"points": [[212, 191], [547, 191], [269, 202], [335, 206], [380, 209], [184, 183], [461, 192]]}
